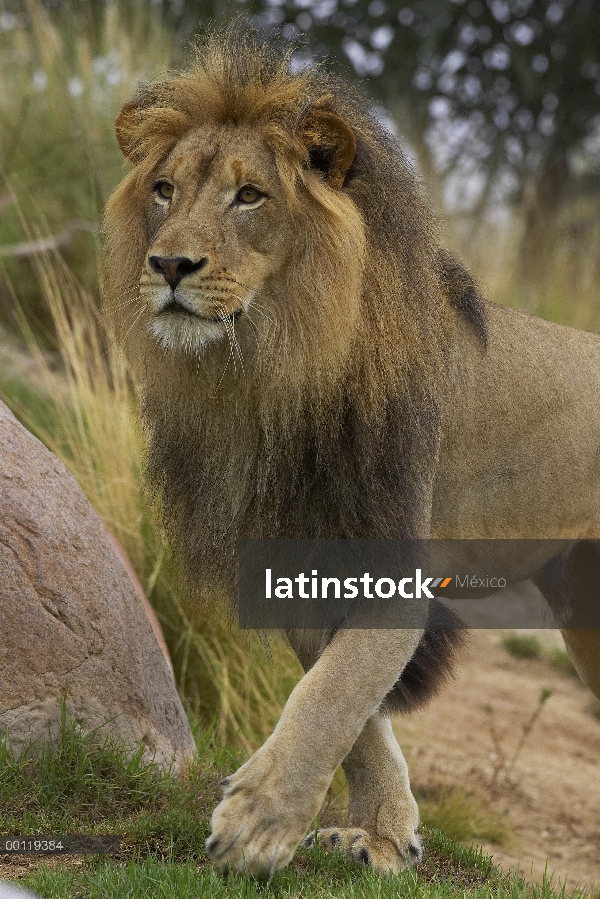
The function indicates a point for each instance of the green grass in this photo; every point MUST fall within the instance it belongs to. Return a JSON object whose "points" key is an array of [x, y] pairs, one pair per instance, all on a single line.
{"points": [[87, 784], [522, 646], [84, 783], [84, 779], [315, 877], [560, 659], [528, 646], [312, 874], [448, 871]]}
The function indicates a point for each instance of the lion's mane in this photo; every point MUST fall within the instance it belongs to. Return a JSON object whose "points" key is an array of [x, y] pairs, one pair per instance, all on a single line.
{"points": [[326, 433]]}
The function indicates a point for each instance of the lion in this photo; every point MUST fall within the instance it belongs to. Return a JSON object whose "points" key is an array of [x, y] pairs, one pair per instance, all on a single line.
{"points": [[313, 363]]}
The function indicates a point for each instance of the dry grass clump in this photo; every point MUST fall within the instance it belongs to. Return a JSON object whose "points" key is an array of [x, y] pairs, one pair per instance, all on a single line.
{"points": [[223, 674], [461, 815]]}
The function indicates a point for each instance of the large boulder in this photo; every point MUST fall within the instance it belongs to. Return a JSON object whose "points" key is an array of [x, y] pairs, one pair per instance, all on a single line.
{"points": [[70, 618], [12, 891]]}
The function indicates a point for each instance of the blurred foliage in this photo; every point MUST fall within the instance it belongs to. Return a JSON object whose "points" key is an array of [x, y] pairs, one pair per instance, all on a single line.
{"points": [[518, 80], [509, 88], [63, 85], [522, 646]]}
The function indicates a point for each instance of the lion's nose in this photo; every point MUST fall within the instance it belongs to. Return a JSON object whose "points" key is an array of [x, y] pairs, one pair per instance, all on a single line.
{"points": [[174, 268]]}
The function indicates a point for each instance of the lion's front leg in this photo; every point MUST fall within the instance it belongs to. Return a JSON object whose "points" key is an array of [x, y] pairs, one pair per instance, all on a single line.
{"points": [[270, 801], [383, 814]]}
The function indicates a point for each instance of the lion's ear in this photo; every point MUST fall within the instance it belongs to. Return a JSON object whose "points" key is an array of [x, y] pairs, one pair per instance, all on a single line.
{"points": [[125, 128], [331, 145]]}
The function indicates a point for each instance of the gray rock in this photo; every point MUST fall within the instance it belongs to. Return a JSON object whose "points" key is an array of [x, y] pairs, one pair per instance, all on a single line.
{"points": [[70, 617], [10, 891]]}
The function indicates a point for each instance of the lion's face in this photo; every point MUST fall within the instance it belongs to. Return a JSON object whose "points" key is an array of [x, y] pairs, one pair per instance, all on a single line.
{"points": [[235, 238], [218, 231]]}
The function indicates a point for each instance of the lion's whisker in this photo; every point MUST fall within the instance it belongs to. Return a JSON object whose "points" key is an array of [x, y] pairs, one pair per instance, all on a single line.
{"points": [[126, 290], [222, 316], [259, 337], [253, 324], [130, 316], [239, 349], [216, 390], [124, 305], [134, 322], [231, 352], [241, 284], [230, 328], [259, 309]]}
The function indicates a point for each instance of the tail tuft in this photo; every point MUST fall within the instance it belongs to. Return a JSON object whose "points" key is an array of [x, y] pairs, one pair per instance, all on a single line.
{"points": [[432, 665]]}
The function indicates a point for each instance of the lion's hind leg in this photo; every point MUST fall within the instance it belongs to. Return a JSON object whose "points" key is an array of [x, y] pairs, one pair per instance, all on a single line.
{"points": [[383, 815], [583, 647], [570, 584]]}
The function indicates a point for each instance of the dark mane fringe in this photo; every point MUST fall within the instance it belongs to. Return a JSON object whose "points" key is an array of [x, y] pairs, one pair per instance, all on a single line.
{"points": [[463, 293]]}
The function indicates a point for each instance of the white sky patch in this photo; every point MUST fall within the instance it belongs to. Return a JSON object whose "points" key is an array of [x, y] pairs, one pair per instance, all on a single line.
{"points": [[8, 21], [382, 37], [76, 87], [40, 80], [363, 61]]}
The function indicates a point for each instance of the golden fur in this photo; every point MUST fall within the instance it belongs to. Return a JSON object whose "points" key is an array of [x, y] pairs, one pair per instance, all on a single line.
{"points": [[317, 367]]}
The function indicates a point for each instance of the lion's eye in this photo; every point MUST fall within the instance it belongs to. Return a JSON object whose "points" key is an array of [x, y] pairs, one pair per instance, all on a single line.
{"points": [[164, 190], [248, 194]]}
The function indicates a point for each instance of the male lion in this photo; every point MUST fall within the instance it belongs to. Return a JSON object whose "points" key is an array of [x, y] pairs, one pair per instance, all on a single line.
{"points": [[313, 364]]}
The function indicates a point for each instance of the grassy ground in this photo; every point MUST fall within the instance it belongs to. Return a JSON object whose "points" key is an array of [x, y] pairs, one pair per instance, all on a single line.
{"points": [[313, 874], [84, 786]]}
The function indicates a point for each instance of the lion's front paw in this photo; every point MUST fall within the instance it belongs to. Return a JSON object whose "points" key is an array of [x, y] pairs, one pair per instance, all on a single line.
{"points": [[379, 853], [261, 819]]}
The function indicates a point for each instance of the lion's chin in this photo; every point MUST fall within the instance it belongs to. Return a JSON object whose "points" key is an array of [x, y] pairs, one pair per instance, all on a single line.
{"points": [[192, 335]]}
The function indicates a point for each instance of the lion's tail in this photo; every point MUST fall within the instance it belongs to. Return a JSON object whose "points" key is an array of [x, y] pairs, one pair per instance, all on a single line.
{"points": [[432, 663]]}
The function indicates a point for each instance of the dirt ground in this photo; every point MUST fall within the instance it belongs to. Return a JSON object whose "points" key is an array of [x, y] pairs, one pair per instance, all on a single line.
{"points": [[551, 798]]}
